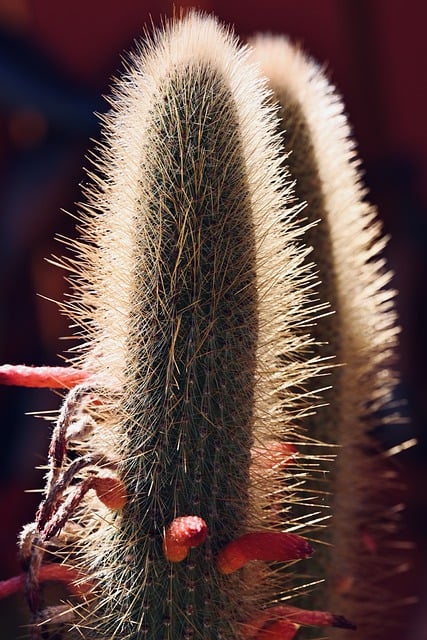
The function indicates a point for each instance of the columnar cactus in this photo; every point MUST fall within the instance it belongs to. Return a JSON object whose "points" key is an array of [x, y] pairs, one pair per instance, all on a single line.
{"points": [[361, 333], [191, 416]]}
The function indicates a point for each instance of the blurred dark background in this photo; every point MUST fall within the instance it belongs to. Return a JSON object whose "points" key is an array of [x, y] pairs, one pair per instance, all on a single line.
{"points": [[56, 59]]}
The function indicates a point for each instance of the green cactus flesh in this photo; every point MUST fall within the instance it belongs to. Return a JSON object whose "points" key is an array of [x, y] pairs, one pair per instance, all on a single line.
{"points": [[192, 360]]}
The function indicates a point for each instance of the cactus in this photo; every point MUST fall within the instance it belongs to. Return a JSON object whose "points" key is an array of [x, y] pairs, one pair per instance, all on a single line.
{"points": [[362, 333], [189, 443]]}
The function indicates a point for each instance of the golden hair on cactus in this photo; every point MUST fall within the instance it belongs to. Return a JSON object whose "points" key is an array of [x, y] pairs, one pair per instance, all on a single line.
{"points": [[362, 332], [194, 295]]}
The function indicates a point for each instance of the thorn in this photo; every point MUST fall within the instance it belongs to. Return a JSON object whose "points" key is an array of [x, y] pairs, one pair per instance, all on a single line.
{"points": [[270, 546], [182, 534], [50, 377], [75, 581]]}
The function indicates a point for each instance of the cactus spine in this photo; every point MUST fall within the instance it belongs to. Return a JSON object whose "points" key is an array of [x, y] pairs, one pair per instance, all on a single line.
{"points": [[362, 332]]}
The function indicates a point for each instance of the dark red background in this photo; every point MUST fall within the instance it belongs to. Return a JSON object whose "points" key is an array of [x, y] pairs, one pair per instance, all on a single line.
{"points": [[56, 59]]}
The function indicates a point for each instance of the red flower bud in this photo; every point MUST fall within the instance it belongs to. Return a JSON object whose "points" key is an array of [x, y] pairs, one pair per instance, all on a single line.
{"points": [[182, 534], [75, 581], [110, 490]]}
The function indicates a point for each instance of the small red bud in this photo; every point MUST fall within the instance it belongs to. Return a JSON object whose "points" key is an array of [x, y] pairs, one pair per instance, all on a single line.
{"points": [[182, 534], [270, 546], [277, 454], [111, 491]]}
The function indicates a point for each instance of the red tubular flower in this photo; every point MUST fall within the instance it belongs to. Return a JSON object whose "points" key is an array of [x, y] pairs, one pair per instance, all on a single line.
{"points": [[183, 534], [276, 620], [278, 630], [270, 546], [51, 377], [75, 581]]}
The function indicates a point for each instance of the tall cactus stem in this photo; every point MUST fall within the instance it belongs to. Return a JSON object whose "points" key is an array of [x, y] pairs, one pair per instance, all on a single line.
{"points": [[194, 296]]}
